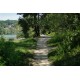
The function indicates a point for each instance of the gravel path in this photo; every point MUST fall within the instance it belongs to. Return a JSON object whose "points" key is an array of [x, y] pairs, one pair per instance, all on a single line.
{"points": [[41, 53]]}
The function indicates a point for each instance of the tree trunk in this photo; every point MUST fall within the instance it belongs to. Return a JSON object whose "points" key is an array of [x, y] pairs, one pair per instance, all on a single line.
{"points": [[36, 26]]}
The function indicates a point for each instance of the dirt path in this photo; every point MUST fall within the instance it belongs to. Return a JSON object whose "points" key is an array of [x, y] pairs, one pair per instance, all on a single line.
{"points": [[41, 53]]}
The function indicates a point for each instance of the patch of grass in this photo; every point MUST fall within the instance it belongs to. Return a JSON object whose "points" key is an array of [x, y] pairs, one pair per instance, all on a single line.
{"points": [[17, 53], [28, 43], [51, 34]]}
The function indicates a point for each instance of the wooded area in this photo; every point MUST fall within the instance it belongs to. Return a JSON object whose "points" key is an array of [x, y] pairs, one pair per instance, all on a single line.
{"points": [[62, 28]]}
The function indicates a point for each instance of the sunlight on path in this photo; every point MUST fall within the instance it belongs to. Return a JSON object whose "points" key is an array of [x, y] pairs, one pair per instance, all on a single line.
{"points": [[41, 53]]}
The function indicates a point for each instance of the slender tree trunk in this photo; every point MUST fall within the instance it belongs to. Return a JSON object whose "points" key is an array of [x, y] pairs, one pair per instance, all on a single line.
{"points": [[36, 25]]}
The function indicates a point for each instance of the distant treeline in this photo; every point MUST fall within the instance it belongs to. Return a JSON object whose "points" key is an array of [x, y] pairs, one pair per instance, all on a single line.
{"points": [[9, 27], [7, 23]]}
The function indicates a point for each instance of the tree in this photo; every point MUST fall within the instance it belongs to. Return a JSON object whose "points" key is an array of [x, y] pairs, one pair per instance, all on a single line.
{"points": [[32, 20], [8, 26]]}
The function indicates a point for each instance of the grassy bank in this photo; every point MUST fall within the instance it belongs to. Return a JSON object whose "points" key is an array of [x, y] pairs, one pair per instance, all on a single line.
{"points": [[17, 52]]}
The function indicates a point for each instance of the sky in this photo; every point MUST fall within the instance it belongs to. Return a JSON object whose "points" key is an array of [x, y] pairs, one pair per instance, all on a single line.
{"points": [[11, 16]]}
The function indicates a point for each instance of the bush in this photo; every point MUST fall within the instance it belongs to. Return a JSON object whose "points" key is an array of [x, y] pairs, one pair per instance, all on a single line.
{"points": [[31, 33], [11, 57], [68, 47]]}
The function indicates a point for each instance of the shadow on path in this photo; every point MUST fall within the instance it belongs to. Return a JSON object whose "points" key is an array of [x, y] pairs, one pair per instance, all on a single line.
{"points": [[41, 53]]}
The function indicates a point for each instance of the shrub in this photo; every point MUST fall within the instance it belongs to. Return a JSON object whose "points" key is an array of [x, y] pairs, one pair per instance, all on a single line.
{"points": [[11, 57], [68, 47]]}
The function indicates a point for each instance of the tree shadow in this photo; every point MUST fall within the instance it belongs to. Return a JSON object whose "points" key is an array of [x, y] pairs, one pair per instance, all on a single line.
{"points": [[12, 57], [41, 56], [65, 61], [19, 59], [52, 53], [70, 61], [27, 43]]}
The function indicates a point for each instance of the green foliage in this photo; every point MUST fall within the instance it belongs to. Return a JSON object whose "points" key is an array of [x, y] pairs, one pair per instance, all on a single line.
{"points": [[16, 53], [67, 51], [31, 20], [66, 38], [31, 33], [23, 23], [56, 39], [7, 26], [64, 30]]}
